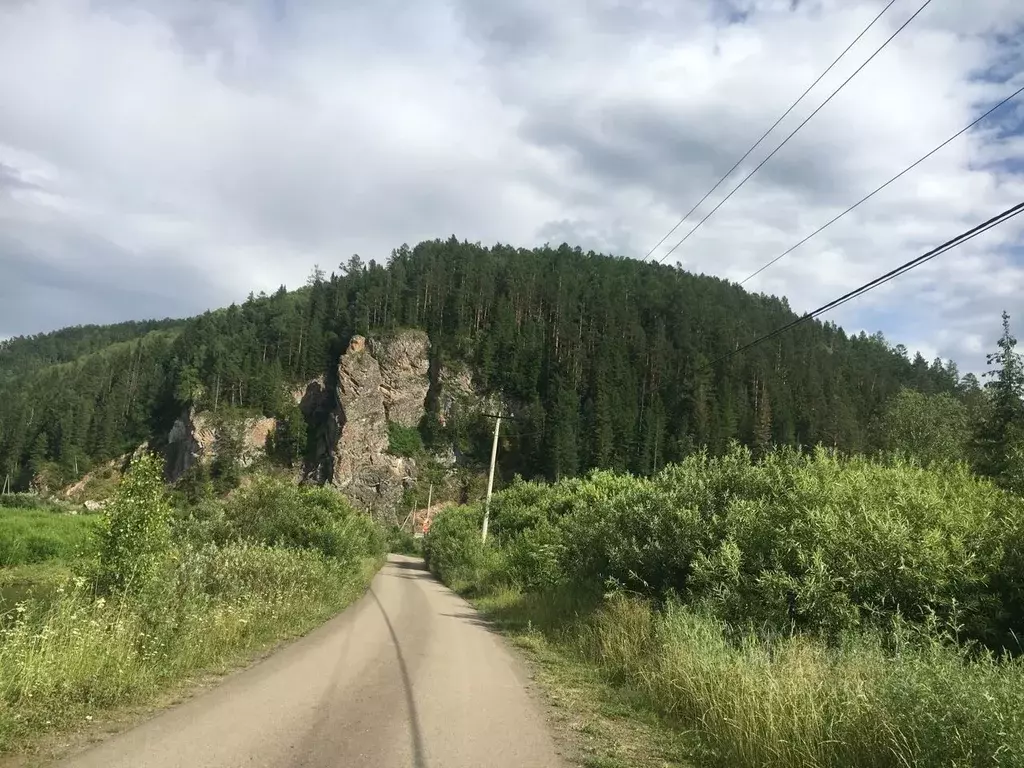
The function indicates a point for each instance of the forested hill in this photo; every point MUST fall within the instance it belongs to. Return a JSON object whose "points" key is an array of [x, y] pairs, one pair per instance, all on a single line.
{"points": [[608, 362], [26, 353]]}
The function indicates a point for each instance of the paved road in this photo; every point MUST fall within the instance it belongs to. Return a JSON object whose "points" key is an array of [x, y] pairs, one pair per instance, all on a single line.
{"points": [[408, 676]]}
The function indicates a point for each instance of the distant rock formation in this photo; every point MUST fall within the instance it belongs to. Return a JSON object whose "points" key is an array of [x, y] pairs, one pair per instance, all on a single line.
{"points": [[388, 378], [195, 438]]}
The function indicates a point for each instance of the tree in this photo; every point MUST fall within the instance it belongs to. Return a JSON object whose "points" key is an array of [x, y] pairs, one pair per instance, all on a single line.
{"points": [[762, 442], [998, 436], [136, 527], [930, 428]]}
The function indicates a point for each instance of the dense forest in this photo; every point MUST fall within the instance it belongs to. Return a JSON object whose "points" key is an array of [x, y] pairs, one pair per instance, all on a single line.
{"points": [[606, 362]]}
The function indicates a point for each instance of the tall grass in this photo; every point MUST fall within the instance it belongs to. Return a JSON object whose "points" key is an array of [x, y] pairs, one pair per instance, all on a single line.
{"points": [[794, 613], [29, 536], [77, 655], [219, 582]]}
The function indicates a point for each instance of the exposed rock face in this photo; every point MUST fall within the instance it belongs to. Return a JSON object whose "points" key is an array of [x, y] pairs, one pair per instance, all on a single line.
{"points": [[312, 398], [360, 464], [188, 443], [404, 360], [195, 438]]}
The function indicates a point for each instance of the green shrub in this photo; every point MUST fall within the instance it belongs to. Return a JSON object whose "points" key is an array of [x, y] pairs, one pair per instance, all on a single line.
{"points": [[279, 513], [801, 610], [401, 542], [23, 501], [404, 441], [454, 551], [136, 527]]}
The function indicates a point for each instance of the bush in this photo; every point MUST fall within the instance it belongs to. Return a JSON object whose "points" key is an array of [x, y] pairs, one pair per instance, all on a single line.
{"points": [[454, 551], [818, 542], [401, 542], [279, 513], [802, 610], [23, 501], [136, 532], [404, 441]]}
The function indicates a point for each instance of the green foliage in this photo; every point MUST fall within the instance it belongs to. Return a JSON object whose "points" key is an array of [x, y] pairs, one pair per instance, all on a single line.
{"points": [[401, 542], [286, 444], [136, 527], [794, 612], [610, 358], [24, 501], [278, 513], [74, 655], [931, 428], [226, 467], [790, 702], [454, 551], [999, 436], [815, 542], [194, 486], [181, 590], [404, 441]]}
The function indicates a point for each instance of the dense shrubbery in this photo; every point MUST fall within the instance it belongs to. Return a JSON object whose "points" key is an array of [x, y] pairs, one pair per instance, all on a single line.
{"points": [[801, 610], [175, 591], [23, 501]]}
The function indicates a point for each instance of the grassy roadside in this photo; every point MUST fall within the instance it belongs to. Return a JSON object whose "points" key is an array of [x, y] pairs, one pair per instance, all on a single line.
{"points": [[793, 612], [86, 675], [601, 725], [171, 593]]}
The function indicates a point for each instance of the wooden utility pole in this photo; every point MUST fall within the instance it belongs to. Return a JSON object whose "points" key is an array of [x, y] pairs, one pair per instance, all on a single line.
{"points": [[490, 477]]}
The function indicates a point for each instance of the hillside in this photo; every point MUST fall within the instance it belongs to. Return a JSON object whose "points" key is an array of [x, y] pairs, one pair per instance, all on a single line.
{"points": [[605, 362]]}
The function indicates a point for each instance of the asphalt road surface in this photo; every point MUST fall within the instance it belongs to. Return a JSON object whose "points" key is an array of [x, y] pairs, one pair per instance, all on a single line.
{"points": [[408, 676]]}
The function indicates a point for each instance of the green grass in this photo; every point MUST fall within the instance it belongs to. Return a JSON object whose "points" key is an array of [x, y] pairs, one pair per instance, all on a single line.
{"points": [[599, 724], [717, 697], [76, 656], [160, 597], [29, 536]]}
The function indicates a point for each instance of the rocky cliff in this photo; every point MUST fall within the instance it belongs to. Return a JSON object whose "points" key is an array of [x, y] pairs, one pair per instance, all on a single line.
{"points": [[377, 381], [404, 360], [197, 438], [388, 378]]}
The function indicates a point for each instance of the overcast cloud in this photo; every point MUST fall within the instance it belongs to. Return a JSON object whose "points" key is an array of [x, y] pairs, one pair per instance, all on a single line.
{"points": [[164, 158]]}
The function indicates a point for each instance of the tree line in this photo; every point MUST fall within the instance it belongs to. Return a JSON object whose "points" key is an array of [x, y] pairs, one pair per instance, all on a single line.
{"points": [[605, 362]]}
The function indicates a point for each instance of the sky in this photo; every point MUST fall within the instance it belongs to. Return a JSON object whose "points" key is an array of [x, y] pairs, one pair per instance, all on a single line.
{"points": [[159, 159]]}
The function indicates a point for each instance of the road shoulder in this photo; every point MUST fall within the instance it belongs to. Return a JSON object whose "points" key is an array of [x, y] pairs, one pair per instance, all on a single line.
{"points": [[595, 725]]}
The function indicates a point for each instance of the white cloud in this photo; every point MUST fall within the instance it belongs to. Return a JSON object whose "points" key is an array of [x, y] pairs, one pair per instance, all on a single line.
{"points": [[179, 155]]}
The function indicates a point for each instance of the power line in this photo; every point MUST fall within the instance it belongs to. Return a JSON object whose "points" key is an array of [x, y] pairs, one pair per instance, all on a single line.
{"points": [[765, 134], [1006, 215], [878, 189], [747, 178]]}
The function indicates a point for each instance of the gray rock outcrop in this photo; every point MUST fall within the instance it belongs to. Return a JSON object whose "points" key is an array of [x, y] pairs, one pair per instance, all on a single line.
{"points": [[404, 360], [351, 418], [196, 438]]}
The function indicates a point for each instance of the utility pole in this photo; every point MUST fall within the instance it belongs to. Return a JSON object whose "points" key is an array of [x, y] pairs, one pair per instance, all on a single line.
{"points": [[490, 477], [430, 495]]}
